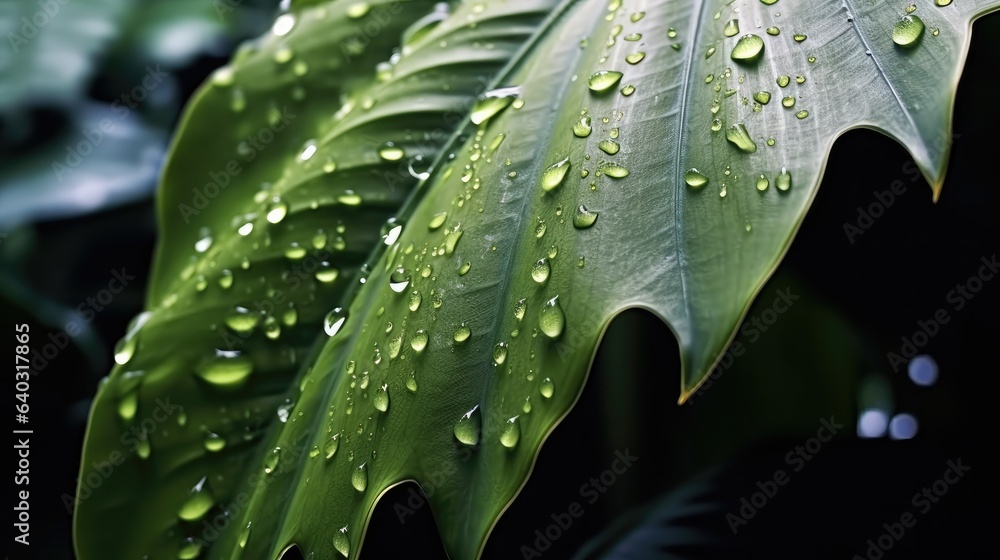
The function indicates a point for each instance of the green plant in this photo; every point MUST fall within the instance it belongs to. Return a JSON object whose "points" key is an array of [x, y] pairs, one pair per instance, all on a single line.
{"points": [[619, 159]]}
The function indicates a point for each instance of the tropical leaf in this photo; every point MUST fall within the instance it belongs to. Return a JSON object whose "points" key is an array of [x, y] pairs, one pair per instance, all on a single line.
{"points": [[572, 197], [273, 196]]}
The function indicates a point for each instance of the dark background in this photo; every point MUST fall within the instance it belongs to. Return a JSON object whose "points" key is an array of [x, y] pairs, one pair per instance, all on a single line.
{"points": [[826, 357]]}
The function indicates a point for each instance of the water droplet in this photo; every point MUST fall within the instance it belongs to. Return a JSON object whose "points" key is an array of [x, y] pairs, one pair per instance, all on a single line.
{"points": [[582, 128], [359, 478], [635, 58], [462, 334], [762, 183], [189, 550], [799, 37], [802, 114], [739, 137], [125, 348], [349, 198], [783, 181], [519, 308], [390, 152], [614, 170], [334, 321], [327, 274], [271, 460], [245, 534], [198, 503], [526, 407], [547, 388], [603, 80], [554, 174], [907, 31], [695, 178], [609, 147], [584, 218], [783, 81], [358, 10], [437, 220], [331, 446], [468, 426], [492, 102], [510, 434], [242, 320], [399, 280], [800, 79], [225, 368], [414, 302], [762, 97], [381, 398], [772, 30], [419, 341], [732, 28], [552, 320], [540, 272], [499, 353], [768, 2], [628, 90], [788, 101], [748, 48], [464, 268], [341, 542], [214, 442]]}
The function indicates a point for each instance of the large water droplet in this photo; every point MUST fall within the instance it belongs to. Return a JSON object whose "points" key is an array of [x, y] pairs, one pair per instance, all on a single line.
{"points": [[331, 445], [583, 127], [547, 388], [462, 334], [359, 478], [553, 175], [584, 218], [762, 183], [437, 220], [783, 181], [341, 542], [907, 31], [381, 398], [732, 28], [492, 102], [603, 80], [277, 210], [468, 426], [399, 280], [390, 152], [552, 320], [199, 501], [540, 271], [748, 48], [510, 433], [214, 442], [334, 321], [225, 368], [242, 320], [499, 353], [695, 179], [739, 137]]}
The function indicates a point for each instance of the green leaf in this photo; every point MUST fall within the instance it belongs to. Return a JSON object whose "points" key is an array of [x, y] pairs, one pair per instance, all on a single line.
{"points": [[522, 213], [233, 309]]}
